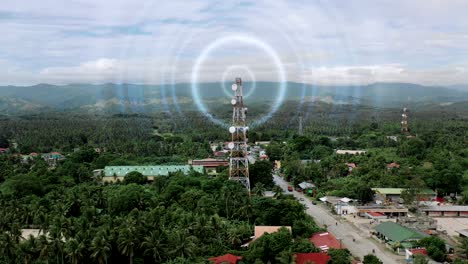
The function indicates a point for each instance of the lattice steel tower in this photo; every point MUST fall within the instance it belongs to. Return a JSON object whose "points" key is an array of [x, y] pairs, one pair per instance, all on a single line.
{"points": [[301, 129], [238, 161], [404, 121]]}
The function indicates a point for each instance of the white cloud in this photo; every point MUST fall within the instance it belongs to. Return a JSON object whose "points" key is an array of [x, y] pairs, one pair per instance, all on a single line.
{"points": [[318, 41]]}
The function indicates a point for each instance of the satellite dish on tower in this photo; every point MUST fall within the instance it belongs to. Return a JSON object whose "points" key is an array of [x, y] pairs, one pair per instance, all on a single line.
{"points": [[232, 130], [234, 87], [231, 145], [233, 101]]}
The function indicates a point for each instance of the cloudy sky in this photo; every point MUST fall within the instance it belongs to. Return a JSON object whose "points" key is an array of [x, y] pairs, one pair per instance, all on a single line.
{"points": [[312, 41]]}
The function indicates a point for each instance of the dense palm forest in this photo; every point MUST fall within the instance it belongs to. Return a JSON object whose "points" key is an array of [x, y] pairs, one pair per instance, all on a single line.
{"points": [[187, 219], [176, 219]]}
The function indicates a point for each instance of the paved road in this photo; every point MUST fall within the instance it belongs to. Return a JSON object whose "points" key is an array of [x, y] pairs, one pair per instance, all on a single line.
{"points": [[362, 245]]}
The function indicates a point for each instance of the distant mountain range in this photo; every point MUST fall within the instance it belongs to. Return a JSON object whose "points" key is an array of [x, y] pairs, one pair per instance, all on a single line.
{"points": [[111, 98]]}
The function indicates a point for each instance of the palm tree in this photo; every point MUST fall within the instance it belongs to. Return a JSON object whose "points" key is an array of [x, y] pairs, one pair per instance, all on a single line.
{"points": [[154, 245], [100, 248], [278, 191], [234, 236], [259, 189], [30, 248], [44, 247], [182, 244], [56, 243], [128, 242], [74, 250], [8, 247]]}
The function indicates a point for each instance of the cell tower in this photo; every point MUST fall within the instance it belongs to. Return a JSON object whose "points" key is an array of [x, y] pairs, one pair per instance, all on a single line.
{"points": [[301, 129], [404, 121], [238, 162]]}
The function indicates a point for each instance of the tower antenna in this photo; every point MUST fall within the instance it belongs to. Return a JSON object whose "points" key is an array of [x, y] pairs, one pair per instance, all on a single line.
{"points": [[238, 161], [404, 121], [301, 129]]}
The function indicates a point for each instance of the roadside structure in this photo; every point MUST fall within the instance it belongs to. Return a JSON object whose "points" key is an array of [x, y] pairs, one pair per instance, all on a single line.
{"points": [[398, 236], [118, 173], [210, 164], [446, 211], [324, 241], [350, 152], [316, 258], [393, 195]]}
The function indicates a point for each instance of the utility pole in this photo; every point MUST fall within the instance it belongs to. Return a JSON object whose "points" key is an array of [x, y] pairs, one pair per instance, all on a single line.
{"points": [[301, 129], [238, 161]]}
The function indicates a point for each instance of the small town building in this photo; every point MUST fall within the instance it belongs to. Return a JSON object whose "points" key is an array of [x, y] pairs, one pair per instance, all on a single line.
{"points": [[393, 195], [350, 152], [3, 150], [351, 166], [393, 165], [341, 205], [463, 232], [118, 173], [225, 259], [316, 258], [324, 241], [389, 211], [375, 215], [446, 211], [262, 143], [397, 235], [306, 185], [422, 223], [52, 158], [411, 253], [209, 164], [261, 230], [220, 154], [277, 165]]}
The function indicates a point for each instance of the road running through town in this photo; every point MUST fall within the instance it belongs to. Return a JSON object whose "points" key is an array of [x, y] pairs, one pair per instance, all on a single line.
{"points": [[343, 231]]}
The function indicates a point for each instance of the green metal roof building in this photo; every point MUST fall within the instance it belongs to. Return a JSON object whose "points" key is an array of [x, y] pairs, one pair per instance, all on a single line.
{"points": [[149, 171], [392, 232]]}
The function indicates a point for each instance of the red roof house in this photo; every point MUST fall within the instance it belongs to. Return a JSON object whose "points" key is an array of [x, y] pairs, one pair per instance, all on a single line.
{"points": [[3, 150], [393, 165], [418, 251], [316, 258], [228, 258], [325, 241], [411, 253]]}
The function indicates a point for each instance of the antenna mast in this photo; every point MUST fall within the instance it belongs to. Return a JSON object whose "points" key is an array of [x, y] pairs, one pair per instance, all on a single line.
{"points": [[301, 129], [238, 161], [404, 121]]}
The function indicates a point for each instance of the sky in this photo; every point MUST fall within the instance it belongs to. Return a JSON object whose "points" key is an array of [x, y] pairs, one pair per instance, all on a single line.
{"points": [[159, 42]]}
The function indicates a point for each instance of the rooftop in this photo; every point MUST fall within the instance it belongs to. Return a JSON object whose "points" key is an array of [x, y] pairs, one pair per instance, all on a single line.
{"points": [[393, 165], [160, 170], [397, 191], [457, 208], [228, 258], [261, 230], [352, 152], [325, 241], [316, 258], [398, 233], [418, 251]]}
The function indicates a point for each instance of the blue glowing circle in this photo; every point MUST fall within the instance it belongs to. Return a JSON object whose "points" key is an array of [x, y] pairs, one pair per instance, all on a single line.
{"points": [[245, 68], [245, 40]]}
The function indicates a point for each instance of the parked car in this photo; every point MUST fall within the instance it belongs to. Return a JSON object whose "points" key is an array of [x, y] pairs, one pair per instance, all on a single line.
{"points": [[290, 188], [301, 199]]}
